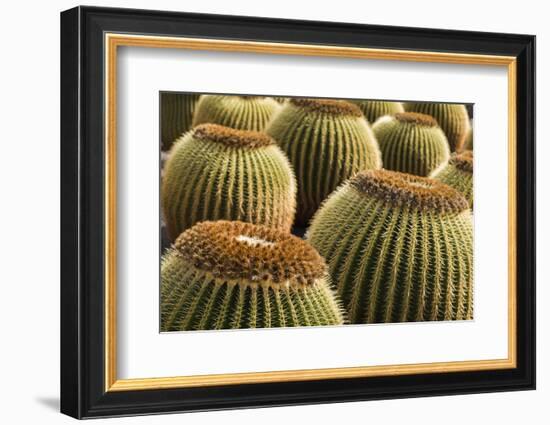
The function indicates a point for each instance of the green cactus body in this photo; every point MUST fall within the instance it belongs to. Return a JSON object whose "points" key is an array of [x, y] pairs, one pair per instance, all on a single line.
{"points": [[398, 247], [216, 173], [411, 143], [469, 142], [452, 118], [239, 112], [374, 109], [327, 141], [232, 275], [459, 174], [176, 116]]}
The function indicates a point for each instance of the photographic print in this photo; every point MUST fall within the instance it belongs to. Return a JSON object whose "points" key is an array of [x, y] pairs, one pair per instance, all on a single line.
{"points": [[210, 207], [293, 212]]}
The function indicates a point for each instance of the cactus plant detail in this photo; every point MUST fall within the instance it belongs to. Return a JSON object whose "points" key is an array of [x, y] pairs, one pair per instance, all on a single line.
{"points": [[399, 248], [459, 174], [327, 141], [469, 142], [216, 172], [239, 112], [176, 116], [452, 118], [374, 109], [411, 143], [232, 275]]}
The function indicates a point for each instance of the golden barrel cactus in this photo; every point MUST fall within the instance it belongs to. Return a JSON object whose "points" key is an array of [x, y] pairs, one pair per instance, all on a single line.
{"points": [[232, 275], [459, 173], [239, 112], [327, 141], [216, 172], [176, 116], [399, 248], [374, 109], [452, 118], [411, 143]]}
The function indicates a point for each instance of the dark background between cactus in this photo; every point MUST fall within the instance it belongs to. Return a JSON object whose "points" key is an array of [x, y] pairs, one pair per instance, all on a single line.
{"points": [[427, 144]]}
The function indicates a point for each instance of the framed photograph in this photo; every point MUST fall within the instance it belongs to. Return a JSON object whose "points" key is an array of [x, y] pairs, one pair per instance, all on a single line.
{"points": [[261, 212]]}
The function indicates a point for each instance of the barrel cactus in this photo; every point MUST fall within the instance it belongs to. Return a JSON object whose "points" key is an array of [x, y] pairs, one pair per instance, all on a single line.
{"points": [[411, 143], [459, 174], [176, 116], [216, 172], [240, 112], [452, 118], [327, 141], [399, 248], [231, 275], [374, 109]]}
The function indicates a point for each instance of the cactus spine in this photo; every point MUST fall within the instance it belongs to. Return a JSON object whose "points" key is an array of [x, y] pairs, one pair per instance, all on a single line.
{"points": [[411, 143], [452, 118], [327, 141], [216, 172], [459, 174], [399, 248], [374, 109], [176, 116], [239, 112], [231, 275]]}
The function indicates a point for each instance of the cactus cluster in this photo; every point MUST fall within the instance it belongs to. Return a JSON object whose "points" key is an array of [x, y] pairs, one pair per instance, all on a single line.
{"points": [[459, 174], [239, 112], [452, 118], [326, 141], [411, 143], [389, 209], [374, 109], [232, 275], [399, 248], [217, 172], [176, 117]]}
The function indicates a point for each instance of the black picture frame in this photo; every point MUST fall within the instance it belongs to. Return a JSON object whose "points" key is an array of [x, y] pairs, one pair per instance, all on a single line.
{"points": [[82, 212]]}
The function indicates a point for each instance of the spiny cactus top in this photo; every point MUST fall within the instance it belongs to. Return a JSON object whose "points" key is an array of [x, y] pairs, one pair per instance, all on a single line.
{"points": [[399, 248], [176, 115], [230, 274], [374, 109], [327, 141], [411, 143], [452, 118], [240, 112], [216, 172], [459, 174]]}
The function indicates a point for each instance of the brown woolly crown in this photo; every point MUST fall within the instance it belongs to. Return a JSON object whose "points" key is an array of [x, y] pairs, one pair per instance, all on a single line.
{"points": [[401, 189], [231, 137], [233, 250], [416, 118], [463, 161], [328, 106]]}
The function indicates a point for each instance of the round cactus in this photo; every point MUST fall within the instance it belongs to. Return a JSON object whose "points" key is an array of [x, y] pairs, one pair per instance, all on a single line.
{"points": [[176, 116], [399, 248], [411, 143], [327, 141], [231, 275], [459, 174], [374, 109], [452, 118], [216, 172], [240, 112]]}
